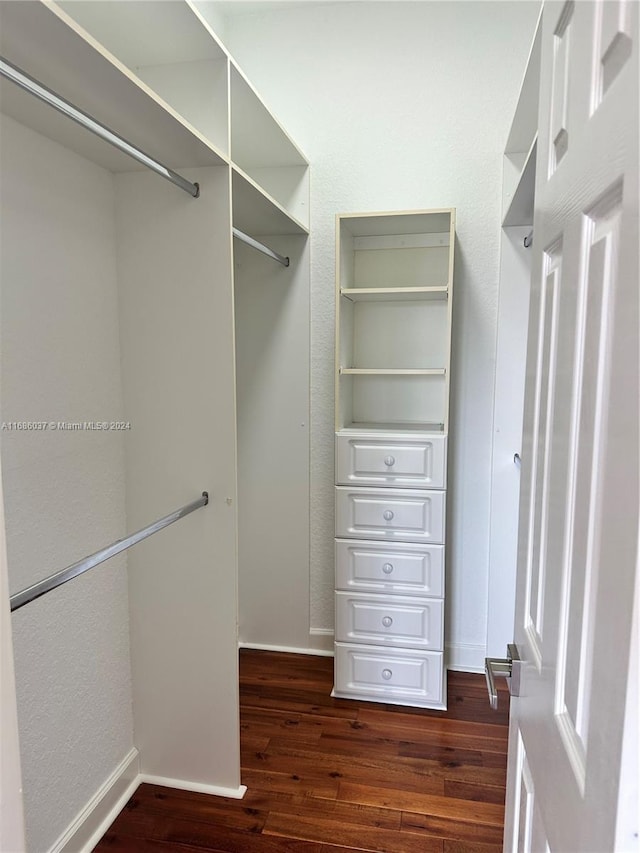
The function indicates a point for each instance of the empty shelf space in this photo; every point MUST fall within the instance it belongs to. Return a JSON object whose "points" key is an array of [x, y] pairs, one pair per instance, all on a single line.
{"points": [[395, 294], [525, 121], [257, 213], [257, 138], [520, 206], [183, 62], [45, 43]]}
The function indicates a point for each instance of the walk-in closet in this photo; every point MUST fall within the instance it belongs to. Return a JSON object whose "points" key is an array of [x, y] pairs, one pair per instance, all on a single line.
{"points": [[318, 381]]}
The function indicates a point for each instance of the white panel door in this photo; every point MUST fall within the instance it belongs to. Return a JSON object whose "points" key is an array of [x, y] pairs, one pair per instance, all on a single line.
{"points": [[579, 501]]}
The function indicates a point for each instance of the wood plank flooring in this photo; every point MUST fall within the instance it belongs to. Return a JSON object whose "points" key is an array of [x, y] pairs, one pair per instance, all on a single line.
{"points": [[328, 775]]}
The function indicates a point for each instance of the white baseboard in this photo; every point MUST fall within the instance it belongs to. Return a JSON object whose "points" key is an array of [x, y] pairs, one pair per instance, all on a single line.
{"points": [[465, 658], [268, 647], [322, 639], [199, 787], [84, 832]]}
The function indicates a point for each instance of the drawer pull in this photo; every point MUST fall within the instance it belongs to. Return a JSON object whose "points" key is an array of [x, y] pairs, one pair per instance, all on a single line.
{"points": [[387, 515], [386, 674], [387, 621], [389, 461], [387, 568]]}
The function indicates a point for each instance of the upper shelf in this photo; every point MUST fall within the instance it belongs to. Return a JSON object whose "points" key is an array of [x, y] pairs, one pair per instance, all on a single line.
{"points": [[395, 294], [258, 213], [155, 73], [521, 203], [524, 126], [168, 46], [51, 47], [262, 149]]}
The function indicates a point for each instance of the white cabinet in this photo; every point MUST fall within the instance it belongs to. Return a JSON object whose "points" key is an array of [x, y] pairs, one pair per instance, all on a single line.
{"points": [[393, 344]]}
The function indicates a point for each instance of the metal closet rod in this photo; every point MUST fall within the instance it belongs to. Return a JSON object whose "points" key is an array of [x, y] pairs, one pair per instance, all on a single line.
{"points": [[260, 247], [20, 78], [53, 581]]}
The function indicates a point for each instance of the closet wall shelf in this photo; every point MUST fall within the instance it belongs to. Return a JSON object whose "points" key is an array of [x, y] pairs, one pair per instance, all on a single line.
{"points": [[45, 42], [258, 213], [394, 294], [524, 126], [258, 139], [387, 371], [520, 209]]}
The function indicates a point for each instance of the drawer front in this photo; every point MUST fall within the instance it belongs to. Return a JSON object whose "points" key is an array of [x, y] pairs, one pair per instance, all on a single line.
{"points": [[393, 514], [396, 621], [390, 568], [406, 677], [406, 463]]}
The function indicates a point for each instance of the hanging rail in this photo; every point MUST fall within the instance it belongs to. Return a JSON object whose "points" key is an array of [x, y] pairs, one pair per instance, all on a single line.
{"points": [[260, 247], [20, 78], [42, 587]]}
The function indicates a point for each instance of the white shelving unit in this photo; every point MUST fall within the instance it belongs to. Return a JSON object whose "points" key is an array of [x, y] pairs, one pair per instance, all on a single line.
{"points": [[156, 74], [519, 175], [394, 274]]}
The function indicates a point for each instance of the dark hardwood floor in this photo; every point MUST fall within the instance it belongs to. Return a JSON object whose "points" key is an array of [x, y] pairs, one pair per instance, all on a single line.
{"points": [[327, 775]]}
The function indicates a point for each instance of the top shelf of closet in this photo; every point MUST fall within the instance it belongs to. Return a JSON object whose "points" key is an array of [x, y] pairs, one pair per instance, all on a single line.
{"points": [[154, 72], [521, 148], [44, 42]]}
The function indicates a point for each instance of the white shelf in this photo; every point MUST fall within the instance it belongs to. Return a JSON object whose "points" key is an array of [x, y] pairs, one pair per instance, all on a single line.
{"points": [[264, 152], [389, 409], [524, 126], [375, 371], [168, 46], [395, 427], [146, 32], [394, 286], [437, 221], [48, 45], [395, 294], [257, 213], [520, 209]]}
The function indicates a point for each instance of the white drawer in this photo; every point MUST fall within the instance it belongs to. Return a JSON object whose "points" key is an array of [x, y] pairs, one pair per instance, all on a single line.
{"points": [[413, 623], [405, 463], [403, 515], [406, 678], [393, 568]]}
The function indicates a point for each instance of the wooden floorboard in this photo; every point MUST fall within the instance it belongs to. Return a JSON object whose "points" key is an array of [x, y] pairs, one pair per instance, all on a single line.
{"points": [[331, 775]]}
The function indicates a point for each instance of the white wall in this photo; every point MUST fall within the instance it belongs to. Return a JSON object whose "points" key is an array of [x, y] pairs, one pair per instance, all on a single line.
{"points": [[402, 106], [64, 491]]}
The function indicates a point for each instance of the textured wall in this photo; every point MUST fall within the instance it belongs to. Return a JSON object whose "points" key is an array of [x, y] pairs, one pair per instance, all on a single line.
{"points": [[402, 106], [64, 490]]}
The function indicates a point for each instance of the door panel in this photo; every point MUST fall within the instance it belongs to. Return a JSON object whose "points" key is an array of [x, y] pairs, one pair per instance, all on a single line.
{"points": [[578, 539]]}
